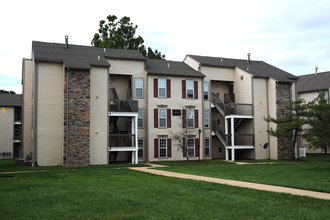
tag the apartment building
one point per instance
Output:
(92, 105)
(10, 126)
(308, 88)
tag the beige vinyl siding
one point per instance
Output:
(272, 112)
(50, 114)
(99, 116)
(6, 130)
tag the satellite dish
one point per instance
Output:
(265, 145)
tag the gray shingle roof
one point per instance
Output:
(80, 57)
(171, 68)
(10, 100)
(312, 82)
(256, 68)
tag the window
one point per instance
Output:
(162, 147)
(190, 118)
(190, 89)
(139, 88)
(162, 117)
(140, 118)
(206, 91)
(207, 147)
(141, 148)
(191, 147)
(161, 88)
(206, 118)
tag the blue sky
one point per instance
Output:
(289, 34)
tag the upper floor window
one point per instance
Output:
(190, 89)
(206, 118)
(161, 88)
(139, 87)
(140, 118)
(206, 90)
(190, 118)
(162, 117)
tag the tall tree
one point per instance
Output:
(2, 91)
(318, 132)
(121, 35)
(291, 125)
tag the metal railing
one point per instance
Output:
(238, 109)
(218, 103)
(122, 140)
(117, 105)
(229, 98)
(220, 133)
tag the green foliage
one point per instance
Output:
(318, 133)
(2, 91)
(290, 125)
(121, 35)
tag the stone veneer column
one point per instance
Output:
(283, 96)
(78, 119)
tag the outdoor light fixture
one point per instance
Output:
(3, 108)
(241, 77)
(199, 145)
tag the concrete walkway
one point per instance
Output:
(257, 186)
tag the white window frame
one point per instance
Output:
(190, 87)
(206, 85)
(191, 147)
(162, 117)
(162, 82)
(141, 117)
(207, 146)
(138, 86)
(206, 118)
(190, 116)
(162, 148)
(141, 148)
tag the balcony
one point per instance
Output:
(229, 107)
(119, 105)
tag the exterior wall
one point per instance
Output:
(309, 96)
(99, 130)
(272, 112)
(283, 96)
(219, 87)
(175, 102)
(260, 111)
(7, 132)
(120, 83)
(50, 114)
(219, 74)
(242, 87)
(126, 67)
(76, 118)
(27, 107)
(191, 62)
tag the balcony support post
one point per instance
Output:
(232, 139)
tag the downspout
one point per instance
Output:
(67, 119)
(35, 120)
(254, 117)
(268, 148)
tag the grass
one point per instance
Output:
(106, 192)
(311, 173)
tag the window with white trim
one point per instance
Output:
(140, 118)
(141, 148)
(190, 118)
(162, 118)
(207, 147)
(206, 118)
(161, 88)
(206, 90)
(138, 87)
(191, 147)
(162, 147)
(190, 89)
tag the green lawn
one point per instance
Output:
(312, 173)
(105, 192)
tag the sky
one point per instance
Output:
(293, 35)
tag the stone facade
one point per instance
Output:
(283, 96)
(78, 119)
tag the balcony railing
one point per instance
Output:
(220, 133)
(122, 140)
(238, 109)
(117, 105)
(242, 140)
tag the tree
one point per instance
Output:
(318, 132)
(290, 125)
(2, 91)
(121, 35)
(186, 132)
